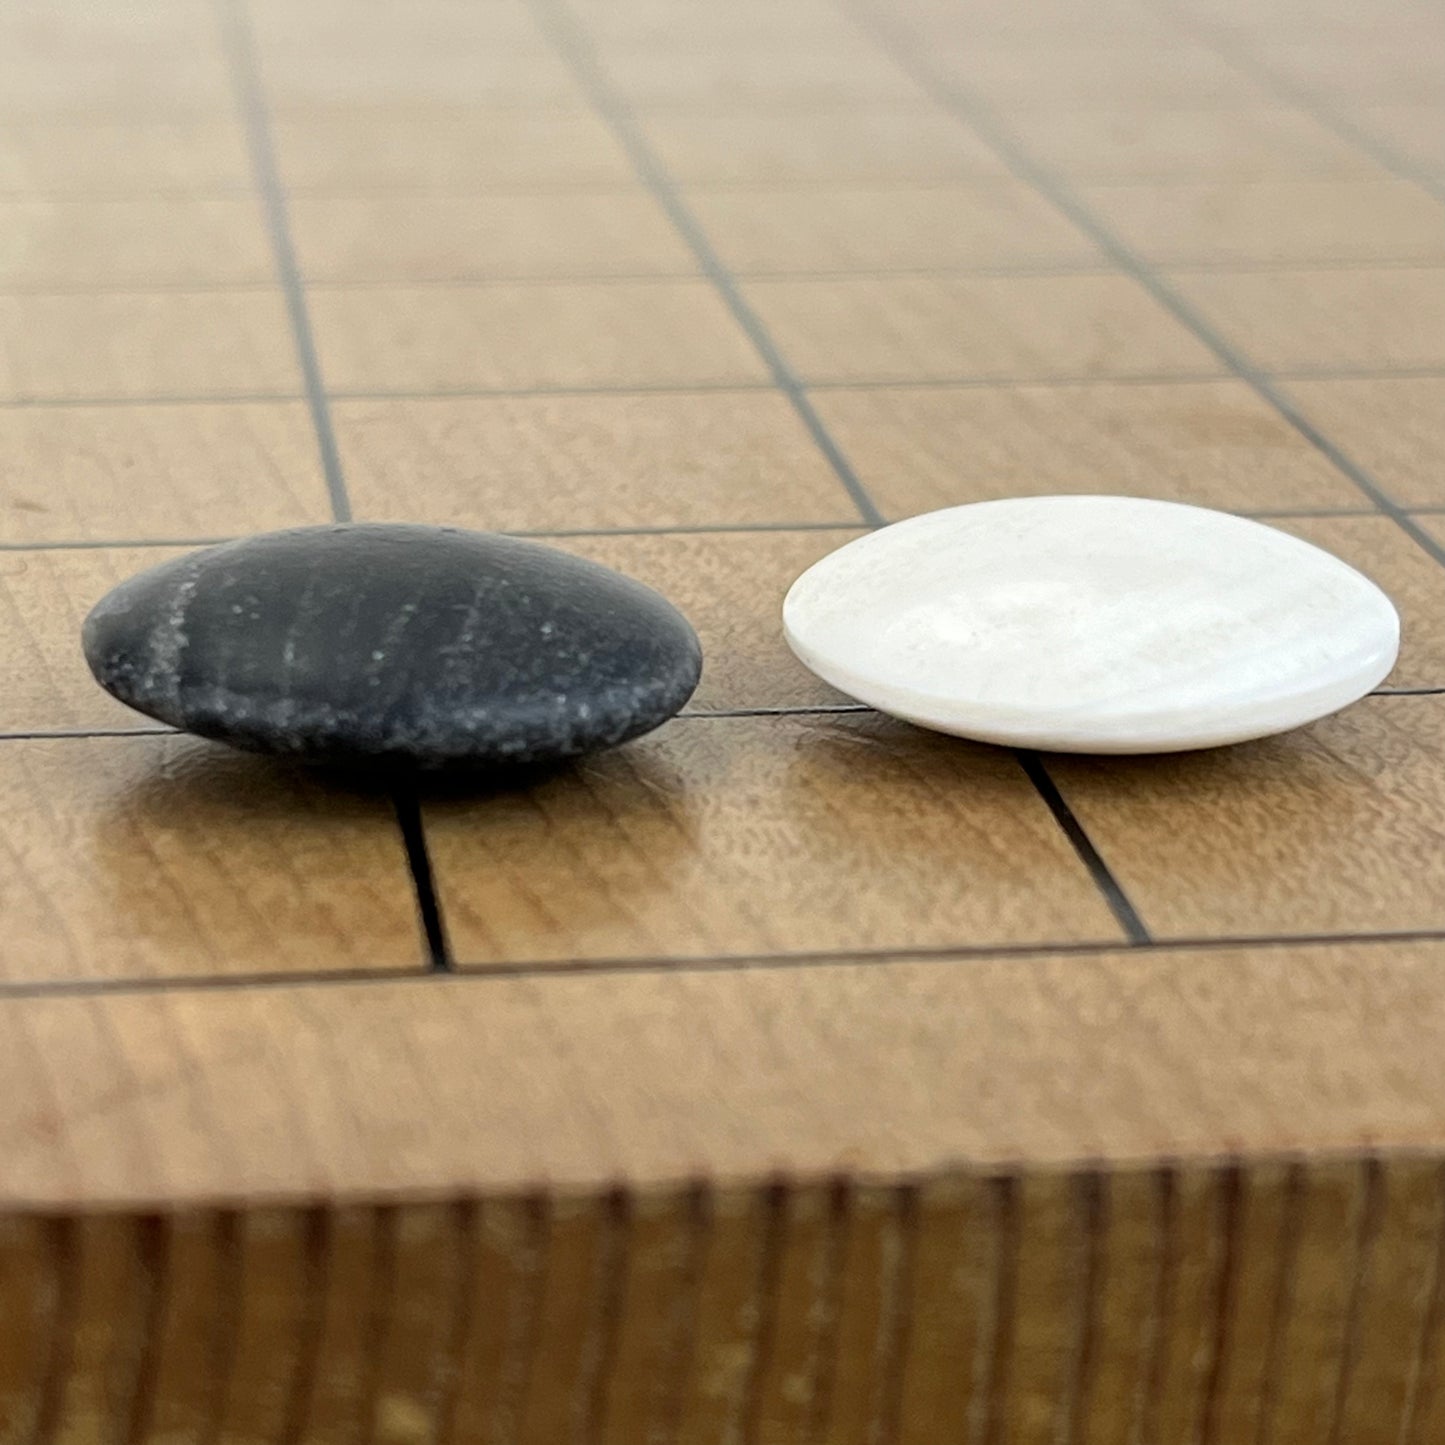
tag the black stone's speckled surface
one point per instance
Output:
(404, 644)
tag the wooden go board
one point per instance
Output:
(790, 1077)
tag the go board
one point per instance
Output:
(789, 1077)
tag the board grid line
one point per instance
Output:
(244, 66)
(1000, 381)
(407, 809)
(690, 714)
(542, 281)
(553, 190)
(464, 970)
(1123, 909)
(720, 529)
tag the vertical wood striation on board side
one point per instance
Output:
(1284, 1302)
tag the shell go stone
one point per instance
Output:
(1092, 624)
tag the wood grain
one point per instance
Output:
(1413, 129)
(688, 459)
(449, 149)
(1075, 1296)
(994, 222)
(115, 244)
(133, 346)
(112, 65)
(618, 232)
(1412, 578)
(731, 588)
(383, 1376)
(1080, 72)
(843, 144)
(1027, 328)
(685, 74)
(1375, 771)
(106, 473)
(1214, 444)
(1320, 320)
(872, 1069)
(619, 335)
(748, 25)
(342, 63)
(44, 596)
(1388, 67)
(747, 835)
(1394, 426)
(75, 157)
(1292, 221)
(1178, 141)
(154, 856)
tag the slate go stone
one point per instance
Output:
(407, 645)
(1092, 624)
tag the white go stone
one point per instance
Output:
(1092, 624)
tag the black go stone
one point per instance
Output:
(397, 645)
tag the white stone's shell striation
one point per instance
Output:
(1092, 624)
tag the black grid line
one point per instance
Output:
(1125, 914)
(1129, 378)
(90, 544)
(662, 109)
(899, 43)
(717, 529)
(408, 818)
(215, 398)
(35, 735)
(690, 714)
(782, 106)
(999, 381)
(474, 972)
(574, 46)
(705, 714)
(851, 524)
(543, 280)
(692, 184)
(686, 715)
(240, 49)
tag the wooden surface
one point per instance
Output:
(790, 1077)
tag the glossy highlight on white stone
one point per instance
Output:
(1092, 624)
